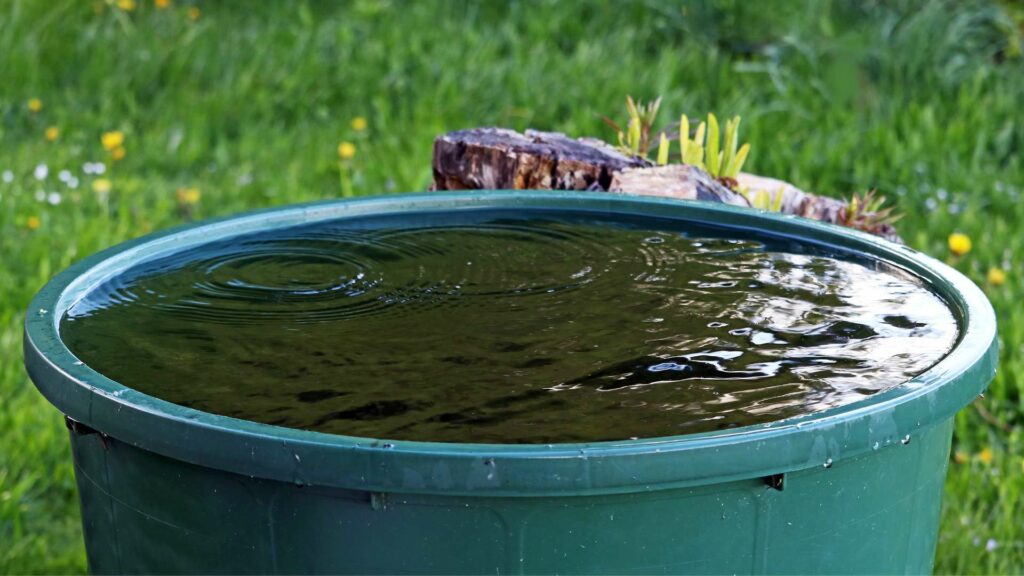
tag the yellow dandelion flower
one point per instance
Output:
(346, 150)
(32, 223)
(126, 5)
(112, 140)
(960, 457)
(101, 185)
(985, 456)
(35, 105)
(162, 4)
(117, 153)
(194, 13)
(52, 133)
(188, 196)
(959, 244)
(359, 123)
(996, 276)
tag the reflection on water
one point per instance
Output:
(501, 330)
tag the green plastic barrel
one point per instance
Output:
(855, 489)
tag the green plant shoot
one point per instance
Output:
(712, 155)
(721, 162)
(691, 151)
(635, 139)
(663, 150)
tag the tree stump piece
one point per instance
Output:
(799, 203)
(675, 181)
(498, 158)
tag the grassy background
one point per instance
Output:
(247, 102)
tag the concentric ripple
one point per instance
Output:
(496, 329)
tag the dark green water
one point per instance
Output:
(510, 331)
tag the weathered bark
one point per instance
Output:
(498, 158)
(794, 200)
(675, 181)
(797, 202)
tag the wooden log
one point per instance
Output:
(799, 203)
(675, 181)
(499, 158)
(794, 200)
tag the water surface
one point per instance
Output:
(485, 328)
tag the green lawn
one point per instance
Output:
(247, 102)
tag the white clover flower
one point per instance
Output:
(8, 176)
(41, 172)
(72, 183)
(94, 168)
(53, 198)
(991, 545)
(64, 175)
(40, 196)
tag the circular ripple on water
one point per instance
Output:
(336, 274)
(495, 331)
(508, 259)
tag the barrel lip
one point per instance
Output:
(889, 418)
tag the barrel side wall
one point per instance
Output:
(874, 513)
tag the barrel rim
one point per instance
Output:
(889, 418)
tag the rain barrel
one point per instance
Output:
(854, 489)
